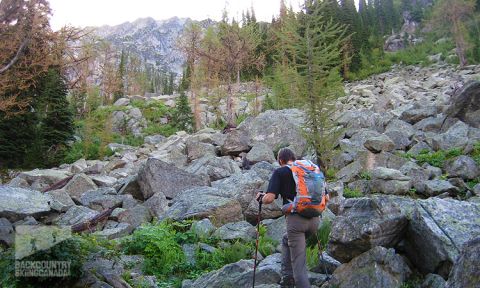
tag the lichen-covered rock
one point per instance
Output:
(277, 129)
(205, 202)
(465, 104)
(157, 204)
(436, 187)
(101, 199)
(363, 224)
(160, 177)
(17, 203)
(75, 215)
(455, 137)
(236, 231)
(260, 152)
(79, 184)
(135, 216)
(272, 210)
(465, 271)
(379, 143)
(244, 186)
(203, 228)
(61, 201)
(40, 179)
(236, 142)
(213, 168)
(437, 230)
(197, 149)
(377, 268)
(464, 167)
(390, 181)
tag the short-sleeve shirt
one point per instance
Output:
(282, 183)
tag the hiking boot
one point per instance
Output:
(287, 282)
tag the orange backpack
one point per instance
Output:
(311, 199)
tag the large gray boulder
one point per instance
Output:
(205, 202)
(277, 129)
(60, 200)
(418, 113)
(455, 137)
(377, 268)
(417, 174)
(237, 141)
(236, 231)
(197, 149)
(101, 199)
(436, 187)
(240, 274)
(466, 104)
(400, 132)
(464, 167)
(389, 181)
(41, 179)
(379, 143)
(135, 216)
(260, 152)
(79, 184)
(357, 119)
(269, 211)
(363, 224)
(244, 186)
(160, 177)
(17, 203)
(433, 281)
(157, 204)
(213, 168)
(465, 271)
(437, 231)
(75, 215)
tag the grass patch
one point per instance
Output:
(323, 235)
(351, 193)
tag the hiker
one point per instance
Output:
(294, 264)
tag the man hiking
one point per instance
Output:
(282, 182)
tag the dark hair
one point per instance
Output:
(285, 155)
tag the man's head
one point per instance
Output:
(285, 155)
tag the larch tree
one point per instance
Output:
(318, 53)
(452, 16)
(189, 43)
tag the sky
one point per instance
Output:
(82, 13)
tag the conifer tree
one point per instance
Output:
(56, 126)
(318, 54)
(183, 116)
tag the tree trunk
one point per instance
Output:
(460, 44)
(229, 103)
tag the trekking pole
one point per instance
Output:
(258, 236)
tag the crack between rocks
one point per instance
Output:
(438, 225)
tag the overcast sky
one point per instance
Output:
(83, 13)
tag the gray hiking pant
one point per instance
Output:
(294, 260)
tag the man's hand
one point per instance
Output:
(266, 198)
(259, 196)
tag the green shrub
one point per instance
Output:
(365, 175)
(163, 255)
(437, 158)
(74, 249)
(323, 235)
(266, 245)
(350, 193)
